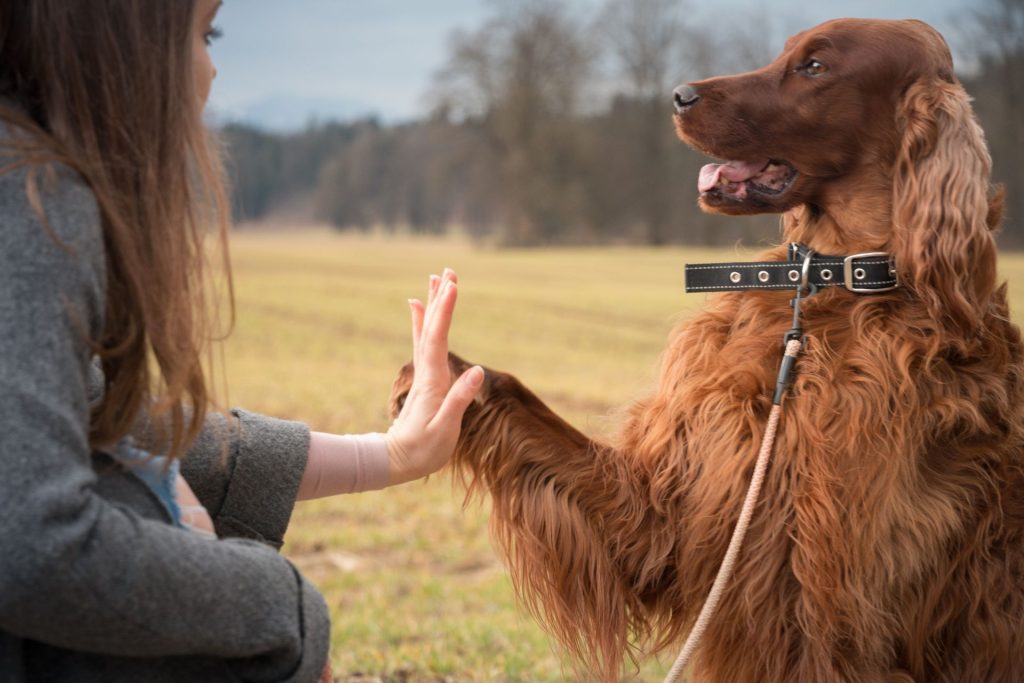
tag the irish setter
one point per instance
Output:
(888, 544)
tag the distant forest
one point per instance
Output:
(552, 128)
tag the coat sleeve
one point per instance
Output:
(78, 571)
(246, 469)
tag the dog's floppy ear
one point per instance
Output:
(943, 246)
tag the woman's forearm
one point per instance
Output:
(346, 463)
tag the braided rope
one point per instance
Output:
(736, 542)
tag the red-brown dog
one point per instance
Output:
(889, 541)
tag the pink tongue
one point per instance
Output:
(734, 172)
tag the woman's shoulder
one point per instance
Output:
(50, 230)
(47, 211)
(49, 195)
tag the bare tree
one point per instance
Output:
(521, 75)
(645, 37)
(998, 89)
(648, 41)
(549, 127)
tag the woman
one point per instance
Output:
(113, 473)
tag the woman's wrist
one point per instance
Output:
(400, 468)
(345, 463)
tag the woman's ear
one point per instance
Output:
(944, 248)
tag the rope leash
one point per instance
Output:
(793, 347)
(794, 343)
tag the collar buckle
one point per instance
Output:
(851, 275)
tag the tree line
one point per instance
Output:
(548, 127)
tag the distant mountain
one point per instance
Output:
(290, 113)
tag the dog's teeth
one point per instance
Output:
(722, 180)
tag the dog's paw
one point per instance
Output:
(403, 382)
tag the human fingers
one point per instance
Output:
(416, 310)
(433, 285)
(421, 313)
(465, 388)
(438, 286)
(434, 289)
(433, 376)
(433, 351)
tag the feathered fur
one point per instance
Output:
(888, 544)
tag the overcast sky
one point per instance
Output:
(281, 63)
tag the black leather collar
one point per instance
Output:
(865, 273)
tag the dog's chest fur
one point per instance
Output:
(887, 462)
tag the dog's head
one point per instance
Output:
(825, 109)
(863, 124)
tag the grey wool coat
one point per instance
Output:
(96, 584)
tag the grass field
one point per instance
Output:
(415, 590)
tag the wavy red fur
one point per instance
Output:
(889, 541)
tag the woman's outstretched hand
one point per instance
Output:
(423, 436)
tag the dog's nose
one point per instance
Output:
(684, 97)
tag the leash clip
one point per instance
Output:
(804, 290)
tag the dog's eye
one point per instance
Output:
(812, 67)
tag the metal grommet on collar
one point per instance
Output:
(735, 276)
(826, 275)
(794, 275)
(763, 276)
(859, 274)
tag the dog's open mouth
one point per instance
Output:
(736, 180)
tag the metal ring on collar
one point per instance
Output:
(805, 273)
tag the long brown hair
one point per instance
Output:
(107, 88)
